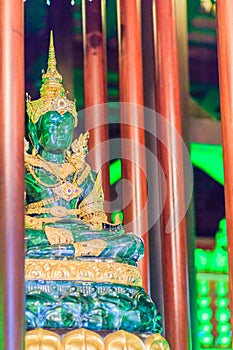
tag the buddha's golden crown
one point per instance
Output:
(52, 92)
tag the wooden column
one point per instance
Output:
(174, 245)
(182, 44)
(225, 65)
(95, 84)
(12, 175)
(131, 91)
(156, 280)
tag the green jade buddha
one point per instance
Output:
(81, 271)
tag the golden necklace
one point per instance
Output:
(63, 188)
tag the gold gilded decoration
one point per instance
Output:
(40, 339)
(156, 342)
(56, 211)
(122, 340)
(92, 207)
(59, 171)
(80, 147)
(90, 210)
(67, 191)
(87, 271)
(94, 247)
(56, 235)
(83, 339)
(37, 223)
(52, 92)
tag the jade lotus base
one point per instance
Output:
(94, 306)
(84, 339)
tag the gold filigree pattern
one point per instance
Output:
(57, 235)
(94, 247)
(86, 271)
(80, 339)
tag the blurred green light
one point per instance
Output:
(202, 260)
(203, 301)
(207, 340)
(224, 340)
(221, 288)
(222, 302)
(113, 216)
(115, 173)
(223, 328)
(205, 328)
(209, 159)
(220, 260)
(203, 288)
(222, 315)
(223, 225)
(204, 314)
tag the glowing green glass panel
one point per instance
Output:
(222, 315)
(209, 159)
(115, 173)
(223, 328)
(204, 314)
(222, 302)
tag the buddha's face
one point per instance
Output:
(56, 131)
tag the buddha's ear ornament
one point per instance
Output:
(52, 92)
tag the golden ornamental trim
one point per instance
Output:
(86, 271)
(80, 339)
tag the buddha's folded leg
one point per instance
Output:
(127, 247)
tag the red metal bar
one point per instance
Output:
(225, 65)
(12, 175)
(131, 91)
(95, 84)
(174, 244)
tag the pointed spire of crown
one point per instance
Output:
(52, 79)
(52, 92)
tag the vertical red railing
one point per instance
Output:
(131, 91)
(12, 175)
(225, 65)
(95, 84)
(174, 244)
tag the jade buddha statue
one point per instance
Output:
(81, 271)
(64, 196)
